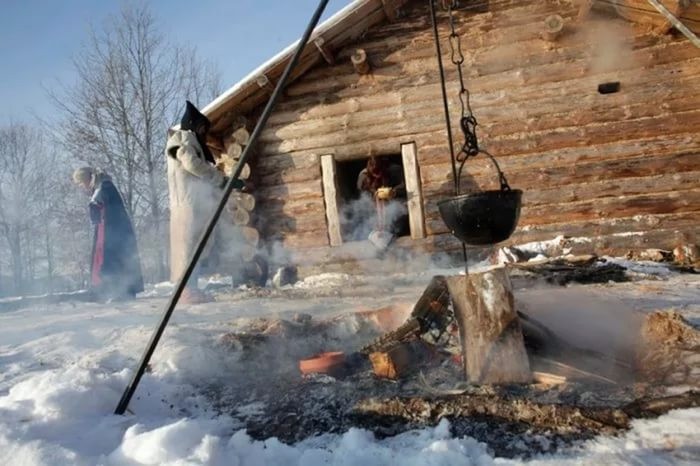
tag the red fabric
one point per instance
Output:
(98, 258)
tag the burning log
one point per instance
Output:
(493, 350)
(430, 312)
(400, 360)
(551, 416)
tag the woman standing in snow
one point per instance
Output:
(195, 185)
(115, 270)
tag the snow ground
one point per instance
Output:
(63, 368)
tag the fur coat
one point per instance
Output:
(194, 186)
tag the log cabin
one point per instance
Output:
(592, 108)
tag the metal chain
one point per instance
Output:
(467, 121)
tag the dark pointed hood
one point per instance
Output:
(195, 121)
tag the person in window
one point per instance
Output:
(383, 180)
(115, 269)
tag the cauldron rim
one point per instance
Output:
(479, 194)
(489, 208)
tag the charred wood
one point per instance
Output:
(508, 409)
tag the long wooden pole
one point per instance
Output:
(131, 388)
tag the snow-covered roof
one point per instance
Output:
(343, 27)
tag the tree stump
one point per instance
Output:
(493, 349)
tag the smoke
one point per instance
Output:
(359, 217)
(610, 45)
(360, 222)
(584, 319)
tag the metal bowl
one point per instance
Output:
(482, 218)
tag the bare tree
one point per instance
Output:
(131, 87)
(27, 199)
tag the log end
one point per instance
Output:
(360, 62)
(553, 27)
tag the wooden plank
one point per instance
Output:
(274, 163)
(591, 209)
(487, 96)
(435, 165)
(301, 240)
(606, 227)
(289, 206)
(284, 224)
(643, 12)
(573, 182)
(496, 117)
(413, 190)
(330, 195)
(494, 72)
(291, 175)
(391, 9)
(301, 190)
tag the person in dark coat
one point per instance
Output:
(115, 269)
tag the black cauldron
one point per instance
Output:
(482, 218)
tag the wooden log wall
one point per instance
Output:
(622, 169)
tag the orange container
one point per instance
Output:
(322, 363)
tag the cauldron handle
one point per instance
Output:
(501, 177)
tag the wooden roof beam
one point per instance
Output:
(584, 9)
(672, 20)
(264, 82)
(391, 9)
(325, 50)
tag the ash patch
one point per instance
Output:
(270, 398)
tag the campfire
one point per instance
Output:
(464, 351)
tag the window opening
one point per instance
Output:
(375, 202)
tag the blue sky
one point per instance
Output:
(38, 39)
